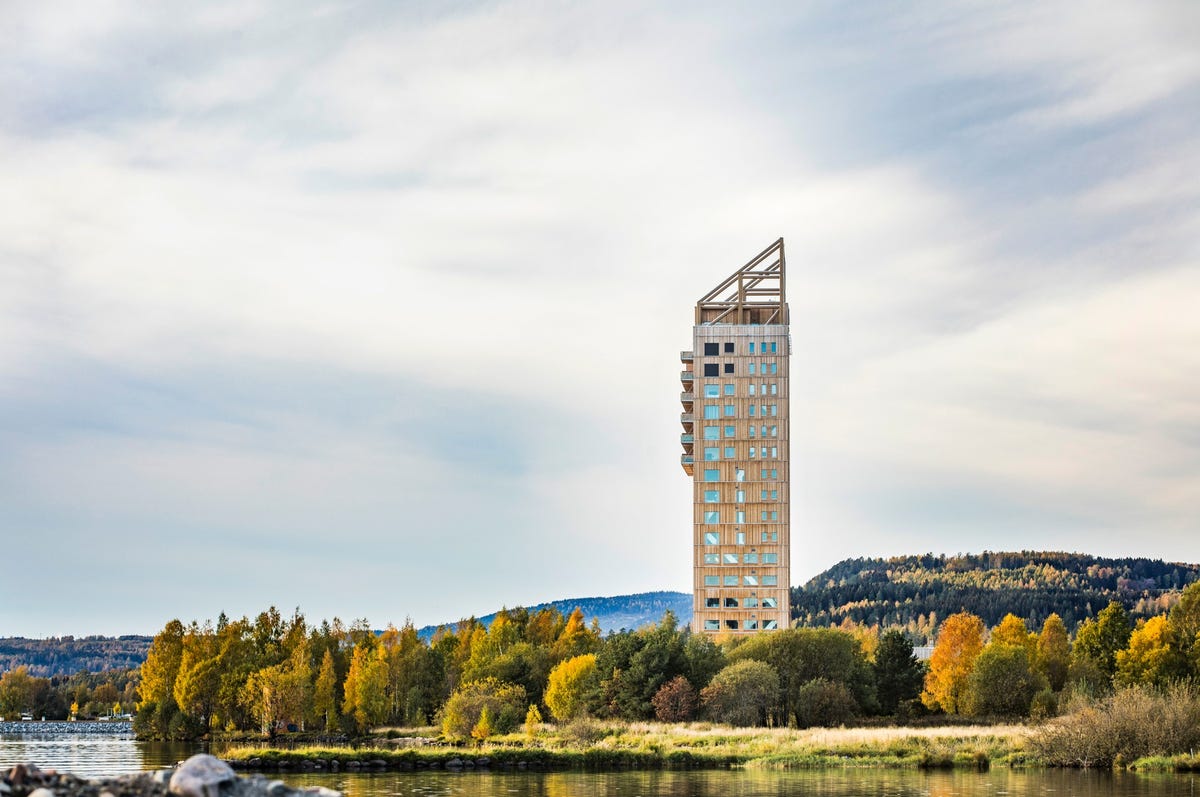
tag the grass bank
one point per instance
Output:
(598, 746)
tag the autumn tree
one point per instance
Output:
(570, 686)
(157, 710)
(16, 691)
(675, 701)
(959, 642)
(1153, 657)
(1054, 652)
(325, 693)
(505, 704)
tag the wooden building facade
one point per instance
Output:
(735, 442)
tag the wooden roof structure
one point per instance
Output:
(754, 294)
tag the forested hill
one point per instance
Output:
(919, 591)
(614, 613)
(68, 655)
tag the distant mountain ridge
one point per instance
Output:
(613, 613)
(918, 592)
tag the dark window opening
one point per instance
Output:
(712, 369)
(731, 603)
(729, 348)
(712, 603)
(711, 349)
(733, 624)
(729, 368)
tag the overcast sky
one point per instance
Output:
(374, 308)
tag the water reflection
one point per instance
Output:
(114, 753)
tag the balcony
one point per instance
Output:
(687, 377)
(687, 439)
(686, 399)
(687, 419)
(688, 463)
(686, 356)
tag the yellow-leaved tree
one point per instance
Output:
(959, 641)
(569, 685)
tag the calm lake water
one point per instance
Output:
(113, 750)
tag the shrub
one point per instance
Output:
(505, 704)
(824, 703)
(1132, 723)
(742, 694)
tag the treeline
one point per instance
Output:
(917, 592)
(68, 655)
(81, 696)
(1013, 672)
(275, 674)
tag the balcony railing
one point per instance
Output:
(687, 439)
(687, 377)
(687, 397)
(687, 418)
(686, 459)
(687, 356)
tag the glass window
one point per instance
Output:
(752, 624)
(730, 431)
(730, 559)
(752, 427)
(712, 538)
(712, 603)
(764, 410)
(770, 558)
(712, 433)
(731, 625)
(774, 368)
(739, 496)
(774, 431)
(774, 515)
(712, 516)
(712, 581)
(731, 603)
(774, 473)
(753, 407)
(774, 410)
(711, 411)
(770, 603)
(730, 410)
(712, 558)
(764, 537)
(741, 516)
(712, 496)
(774, 495)
(762, 515)
(774, 536)
(752, 347)
(750, 581)
(750, 603)
(764, 473)
(729, 452)
(731, 581)
(741, 538)
(712, 475)
(712, 349)
(739, 475)
(774, 452)
(751, 388)
(774, 389)
(712, 391)
(751, 452)
(712, 625)
(752, 368)
(769, 625)
(773, 349)
(712, 453)
(770, 581)
(729, 347)
(765, 493)
(712, 369)
(728, 368)
(750, 558)
(730, 388)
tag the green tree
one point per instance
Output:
(570, 686)
(1185, 628)
(16, 692)
(1002, 682)
(744, 693)
(1100, 639)
(898, 674)
(959, 642)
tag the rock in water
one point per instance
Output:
(201, 776)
